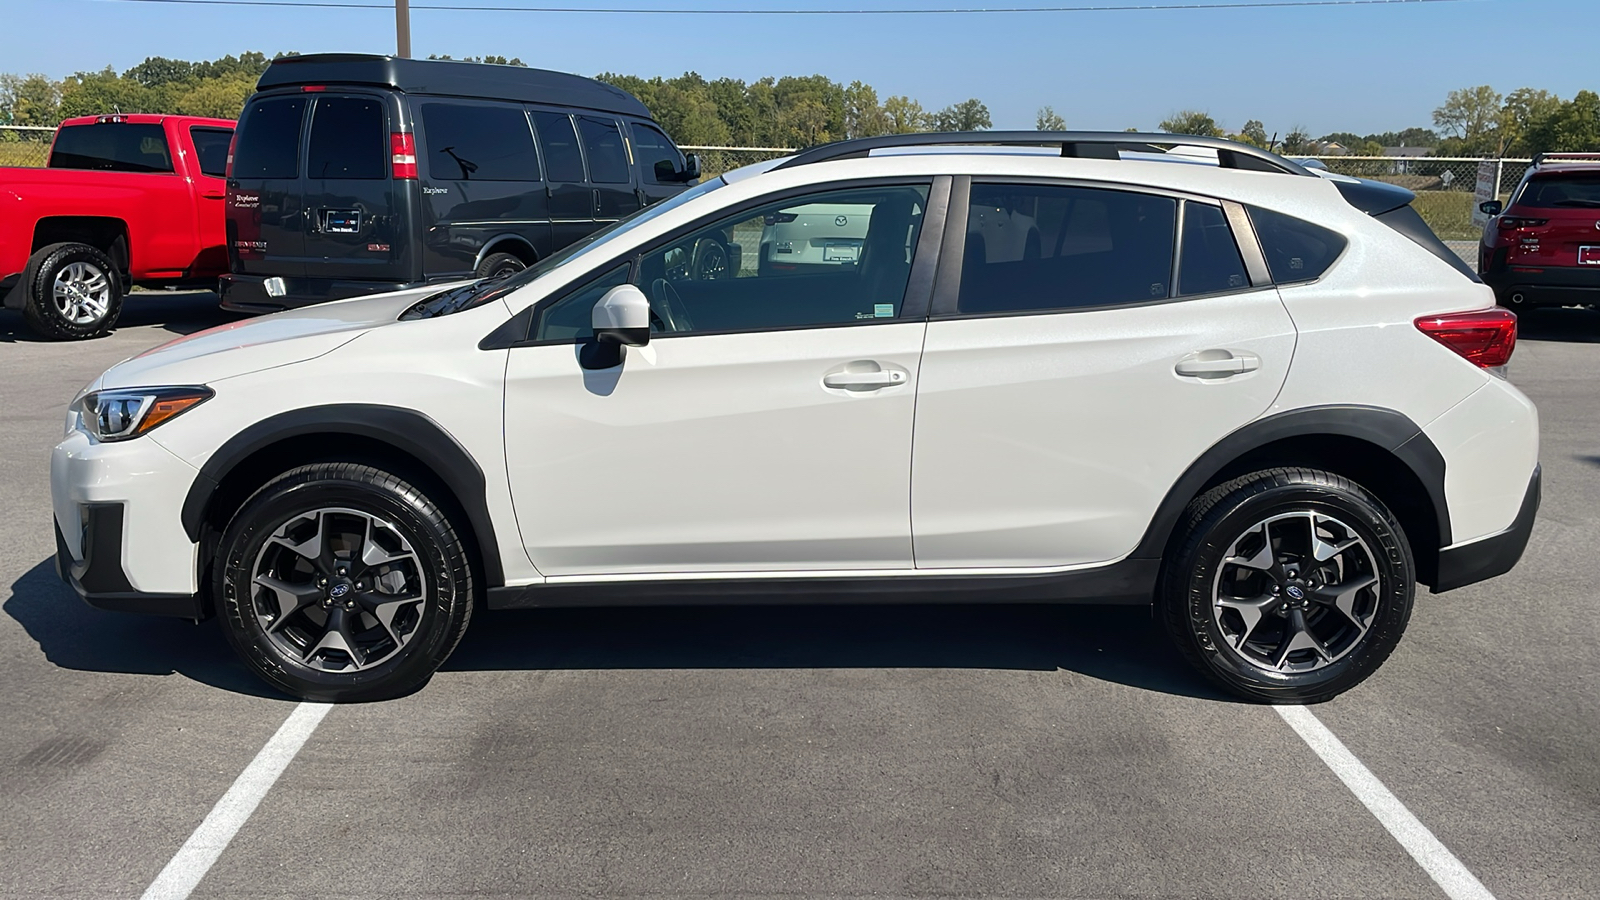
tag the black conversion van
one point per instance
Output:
(357, 174)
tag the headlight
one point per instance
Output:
(117, 415)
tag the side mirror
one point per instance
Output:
(622, 316)
(1491, 207)
(691, 167)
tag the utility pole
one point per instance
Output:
(402, 28)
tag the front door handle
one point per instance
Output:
(864, 375)
(1217, 364)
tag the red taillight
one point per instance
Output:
(313, 88)
(1512, 223)
(233, 144)
(403, 148)
(1484, 337)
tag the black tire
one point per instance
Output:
(1225, 519)
(41, 311)
(437, 564)
(499, 265)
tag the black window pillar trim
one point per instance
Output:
(952, 249)
(408, 431)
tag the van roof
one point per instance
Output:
(450, 78)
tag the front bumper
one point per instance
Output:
(98, 576)
(248, 293)
(1494, 555)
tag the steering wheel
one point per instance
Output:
(667, 305)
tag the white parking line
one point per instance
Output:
(201, 850)
(1434, 857)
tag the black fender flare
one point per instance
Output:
(408, 431)
(1387, 429)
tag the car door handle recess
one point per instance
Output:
(1217, 364)
(864, 376)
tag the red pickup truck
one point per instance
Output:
(126, 200)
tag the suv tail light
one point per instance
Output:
(403, 148)
(233, 144)
(1484, 337)
(1512, 223)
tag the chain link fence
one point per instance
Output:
(24, 145)
(716, 160)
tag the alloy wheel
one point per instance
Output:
(338, 589)
(1296, 592)
(82, 293)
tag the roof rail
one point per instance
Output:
(1540, 158)
(1078, 144)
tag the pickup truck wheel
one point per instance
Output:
(73, 292)
(499, 265)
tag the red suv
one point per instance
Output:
(1543, 249)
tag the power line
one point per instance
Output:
(647, 11)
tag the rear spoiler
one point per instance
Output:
(1391, 205)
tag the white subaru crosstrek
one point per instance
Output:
(1266, 400)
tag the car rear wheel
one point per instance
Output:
(342, 582)
(499, 265)
(73, 292)
(1290, 585)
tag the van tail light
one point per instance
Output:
(233, 144)
(1483, 337)
(1510, 223)
(403, 148)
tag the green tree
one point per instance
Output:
(968, 115)
(95, 93)
(905, 115)
(1189, 121)
(1472, 115)
(1297, 142)
(221, 98)
(1254, 133)
(1574, 127)
(29, 100)
(1047, 119)
(863, 117)
(1525, 109)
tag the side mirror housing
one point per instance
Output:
(691, 167)
(1491, 207)
(622, 316)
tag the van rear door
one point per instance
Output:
(357, 226)
(265, 222)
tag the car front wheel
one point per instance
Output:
(342, 582)
(1291, 585)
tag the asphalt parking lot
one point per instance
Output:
(822, 752)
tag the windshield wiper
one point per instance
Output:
(442, 304)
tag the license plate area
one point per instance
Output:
(840, 252)
(1589, 256)
(341, 221)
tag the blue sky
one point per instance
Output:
(1356, 68)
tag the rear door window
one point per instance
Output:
(348, 139)
(1296, 250)
(1209, 260)
(211, 149)
(658, 158)
(602, 142)
(1036, 248)
(112, 147)
(269, 139)
(471, 142)
(562, 159)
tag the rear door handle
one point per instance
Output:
(1217, 364)
(864, 375)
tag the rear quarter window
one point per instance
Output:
(112, 147)
(1296, 250)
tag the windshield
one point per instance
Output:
(484, 291)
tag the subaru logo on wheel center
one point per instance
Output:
(1294, 592)
(338, 590)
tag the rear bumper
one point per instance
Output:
(98, 576)
(1552, 286)
(1494, 555)
(248, 293)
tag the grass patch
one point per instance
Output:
(1449, 214)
